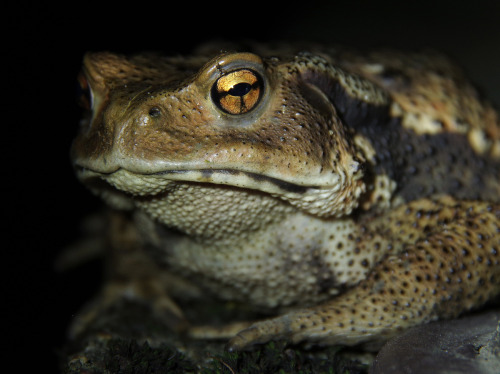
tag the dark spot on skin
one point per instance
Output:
(427, 169)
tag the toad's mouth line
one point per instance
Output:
(209, 174)
(233, 177)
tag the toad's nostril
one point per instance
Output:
(155, 112)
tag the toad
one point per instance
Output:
(349, 195)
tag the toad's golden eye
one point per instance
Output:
(238, 91)
(84, 93)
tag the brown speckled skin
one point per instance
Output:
(359, 197)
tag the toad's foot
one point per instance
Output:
(300, 326)
(163, 307)
(221, 332)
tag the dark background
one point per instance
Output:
(41, 54)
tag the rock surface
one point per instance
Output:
(466, 345)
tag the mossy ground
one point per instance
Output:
(131, 357)
(128, 339)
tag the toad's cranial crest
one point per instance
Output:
(351, 195)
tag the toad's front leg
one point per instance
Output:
(131, 275)
(452, 267)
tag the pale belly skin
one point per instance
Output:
(350, 196)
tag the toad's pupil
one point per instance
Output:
(240, 89)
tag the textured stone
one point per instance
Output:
(466, 345)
